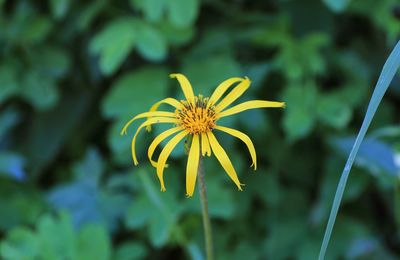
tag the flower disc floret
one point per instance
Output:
(196, 117)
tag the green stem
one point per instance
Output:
(204, 209)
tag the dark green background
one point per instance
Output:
(73, 72)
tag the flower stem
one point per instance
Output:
(204, 209)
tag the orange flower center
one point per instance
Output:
(197, 118)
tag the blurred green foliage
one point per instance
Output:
(72, 73)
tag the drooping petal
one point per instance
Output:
(170, 101)
(250, 105)
(205, 145)
(162, 159)
(223, 158)
(245, 138)
(192, 165)
(233, 95)
(185, 85)
(148, 115)
(158, 140)
(221, 89)
(151, 121)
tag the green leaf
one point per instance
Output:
(300, 114)
(222, 198)
(114, 43)
(36, 30)
(131, 250)
(121, 145)
(285, 234)
(206, 74)
(12, 165)
(93, 243)
(51, 61)
(20, 244)
(267, 181)
(47, 132)
(48, 229)
(55, 238)
(20, 205)
(138, 213)
(183, 13)
(158, 231)
(176, 36)
(59, 8)
(308, 249)
(8, 119)
(150, 42)
(348, 230)
(194, 251)
(153, 9)
(39, 89)
(129, 95)
(89, 13)
(91, 167)
(376, 156)
(312, 58)
(383, 15)
(333, 111)
(86, 199)
(8, 82)
(244, 250)
(337, 6)
(161, 213)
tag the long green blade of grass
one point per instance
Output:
(389, 70)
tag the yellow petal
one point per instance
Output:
(151, 121)
(221, 89)
(158, 140)
(170, 101)
(185, 85)
(205, 146)
(192, 165)
(246, 139)
(162, 159)
(233, 95)
(223, 158)
(250, 105)
(147, 114)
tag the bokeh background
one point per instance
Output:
(73, 72)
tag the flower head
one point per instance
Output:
(198, 117)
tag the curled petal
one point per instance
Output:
(148, 115)
(250, 105)
(158, 140)
(245, 138)
(162, 159)
(223, 158)
(170, 101)
(151, 121)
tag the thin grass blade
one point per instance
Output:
(389, 70)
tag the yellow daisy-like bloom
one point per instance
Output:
(198, 116)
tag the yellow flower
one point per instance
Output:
(198, 117)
